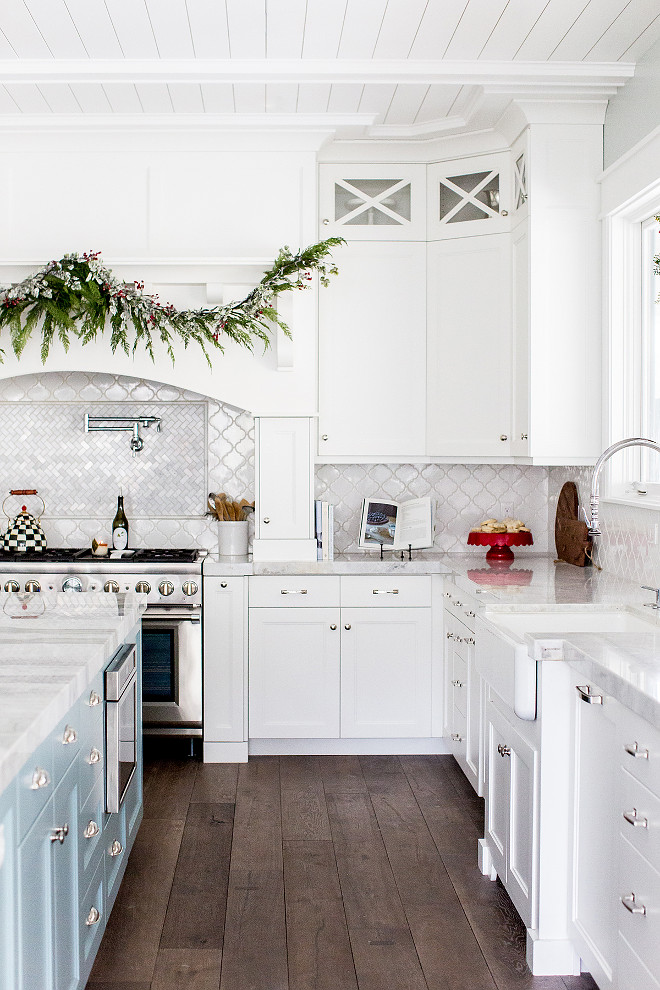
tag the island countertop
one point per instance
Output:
(52, 646)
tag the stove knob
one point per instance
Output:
(111, 586)
(166, 588)
(72, 584)
(32, 586)
(190, 588)
(143, 587)
(12, 586)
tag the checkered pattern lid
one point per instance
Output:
(24, 534)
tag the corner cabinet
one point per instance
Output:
(373, 202)
(372, 354)
(470, 196)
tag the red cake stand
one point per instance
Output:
(500, 543)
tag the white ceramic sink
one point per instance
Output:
(600, 621)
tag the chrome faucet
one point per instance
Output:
(598, 467)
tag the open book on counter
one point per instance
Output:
(396, 525)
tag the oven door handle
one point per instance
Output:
(191, 613)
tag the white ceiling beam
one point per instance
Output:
(395, 71)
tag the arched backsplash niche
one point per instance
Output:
(204, 445)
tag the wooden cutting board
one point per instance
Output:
(571, 534)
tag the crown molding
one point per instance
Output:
(386, 71)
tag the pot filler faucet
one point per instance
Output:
(594, 529)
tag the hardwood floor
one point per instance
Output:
(312, 873)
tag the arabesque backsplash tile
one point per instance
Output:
(206, 445)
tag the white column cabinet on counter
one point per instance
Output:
(372, 354)
(284, 527)
(225, 668)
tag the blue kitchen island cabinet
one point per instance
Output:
(62, 856)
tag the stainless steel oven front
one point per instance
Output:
(121, 726)
(172, 670)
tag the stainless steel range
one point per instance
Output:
(171, 625)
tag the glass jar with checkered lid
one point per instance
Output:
(24, 534)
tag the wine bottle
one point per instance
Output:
(120, 527)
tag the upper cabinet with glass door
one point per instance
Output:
(373, 202)
(469, 196)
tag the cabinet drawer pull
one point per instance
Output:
(380, 591)
(91, 829)
(447, 594)
(459, 639)
(633, 750)
(450, 635)
(630, 904)
(116, 848)
(503, 750)
(458, 684)
(458, 604)
(635, 820)
(94, 756)
(470, 614)
(40, 778)
(69, 736)
(94, 699)
(223, 584)
(457, 737)
(59, 834)
(93, 917)
(333, 626)
(266, 519)
(287, 591)
(470, 640)
(585, 694)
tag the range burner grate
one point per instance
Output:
(59, 555)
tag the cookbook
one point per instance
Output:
(396, 525)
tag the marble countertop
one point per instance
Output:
(52, 646)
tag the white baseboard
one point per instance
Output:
(551, 956)
(219, 752)
(347, 747)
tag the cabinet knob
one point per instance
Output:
(59, 834)
(523, 436)
(630, 904)
(40, 778)
(94, 699)
(458, 684)
(266, 520)
(69, 736)
(347, 626)
(457, 737)
(450, 635)
(324, 436)
(470, 614)
(503, 437)
(325, 221)
(223, 584)
(470, 640)
(333, 626)
(94, 756)
(504, 213)
(91, 829)
(503, 750)
(116, 848)
(93, 917)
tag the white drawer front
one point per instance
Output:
(295, 589)
(639, 888)
(640, 749)
(640, 818)
(386, 591)
(632, 973)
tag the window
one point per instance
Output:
(650, 349)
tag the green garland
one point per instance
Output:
(78, 296)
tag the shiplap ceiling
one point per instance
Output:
(374, 68)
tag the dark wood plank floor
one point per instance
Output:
(312, 873)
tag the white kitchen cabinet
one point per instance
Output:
(469, 377)
(464, 694)
(284, 527)
(225, 667)
(8, 886)
(470, 196)
(512, 784)
(592, 916)
(385, 672)
(294, 672)
(373, 202)
(372, 354)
